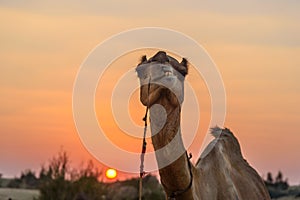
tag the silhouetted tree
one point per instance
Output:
(277, 188)
(29, 180)
(54, 184)
(279, 177)
(269, 177)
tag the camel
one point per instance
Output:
(221, 173)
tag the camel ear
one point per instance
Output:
(143, 59)
(184, 62)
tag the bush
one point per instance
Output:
(59, 182)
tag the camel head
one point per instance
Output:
(161, 80)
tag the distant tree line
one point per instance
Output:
(57, 180)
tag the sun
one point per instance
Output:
(111, 173)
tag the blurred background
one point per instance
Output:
(255, 45)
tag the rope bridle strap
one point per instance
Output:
(177, 193)
(144, 147)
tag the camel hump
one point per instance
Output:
(218, 132)
(225, 141)
(224, 168)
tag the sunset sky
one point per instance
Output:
(255, 45)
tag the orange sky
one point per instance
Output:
(255, 45)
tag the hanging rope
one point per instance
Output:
(144, 146)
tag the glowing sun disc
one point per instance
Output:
(111, 173)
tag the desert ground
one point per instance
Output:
(18, 194)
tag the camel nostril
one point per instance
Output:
(168, 73)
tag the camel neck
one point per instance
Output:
(169, 148)
(165, 126)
